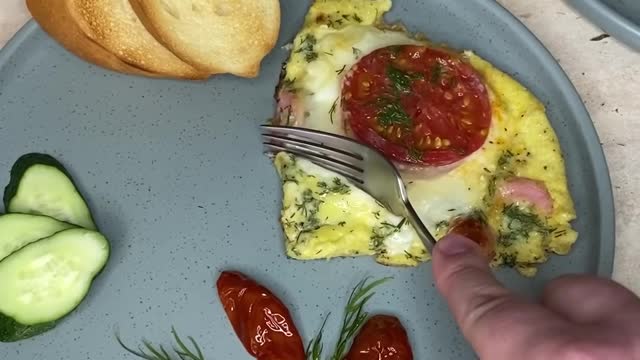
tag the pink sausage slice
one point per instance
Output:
(290, 110)
(528, 190)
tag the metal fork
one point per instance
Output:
(361, 164)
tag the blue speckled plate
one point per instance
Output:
(620, 18)
(175, 176)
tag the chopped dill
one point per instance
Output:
(332, 111)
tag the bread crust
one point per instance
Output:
(53, 18)
(114, 25)
(217, 36)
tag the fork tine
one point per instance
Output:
(329, 164)
(320, 149)
(334, 142)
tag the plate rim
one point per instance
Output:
(606, 252)
(610, 20)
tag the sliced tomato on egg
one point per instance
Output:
(417, 105)
(259, 318)
(381, 337)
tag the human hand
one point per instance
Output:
(578, 317)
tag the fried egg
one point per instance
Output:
(515, 180)
(326, 216)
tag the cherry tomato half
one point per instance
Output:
(477, 230)
(417, 105)
(260, 319)
(381, 338)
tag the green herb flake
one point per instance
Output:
(307, 47)
(337, 187)
(311, 56)
(510, 260)
(380, 233)
(401, 80)
(333, 109)
(393, 114)
(518, 223)
(356, 52)
(437, 72)
(415, 154)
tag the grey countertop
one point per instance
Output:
(607, 76)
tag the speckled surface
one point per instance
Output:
(150, 156)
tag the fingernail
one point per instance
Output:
(454, 244)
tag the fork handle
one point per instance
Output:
(425, 235)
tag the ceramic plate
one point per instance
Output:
(175, 175)
(620, 18)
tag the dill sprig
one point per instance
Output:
(355, 315)
(151, 352)
(315, 346)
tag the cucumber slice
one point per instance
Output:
(18, 230)
(44, 281)
(41, 185)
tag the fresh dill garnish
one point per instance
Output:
(308, 208)
(342, 223)
(415, 154)
(337, 186)
(401, 80)
(518, 223)
(307, 47)
(410, 256)
(356, 52)
(340, 187)
(510, 260)
(380, 233)
(151, 352)
(341, 70)
(505, 159)
(288, 83)
(315, 346)
(332, 111)
(437, 72)
(393, 114)
(311, 56)
(444, 224)
(357, 18)
(355, 315)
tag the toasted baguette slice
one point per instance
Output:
(222, 36)
(115, 26)
(54, 19)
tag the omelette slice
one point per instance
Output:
(325, 216)
(474, 147)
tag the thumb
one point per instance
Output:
(496, 322)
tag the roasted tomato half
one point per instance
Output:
(259, 318)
